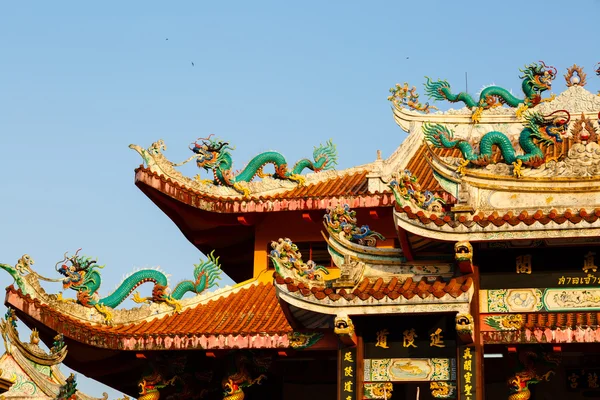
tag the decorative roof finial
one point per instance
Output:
(575, 76)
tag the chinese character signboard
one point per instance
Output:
(347, 387)
(583, 379)
(467, 369)
(414, 337)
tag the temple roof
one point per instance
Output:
(247, 316)
(351, 185)
(372, 291)
(27, 371)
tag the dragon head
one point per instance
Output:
(208, 152)
(539, 77)
(548, 128)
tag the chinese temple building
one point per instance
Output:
(28, 372)
(463, 266)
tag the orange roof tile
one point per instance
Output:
(378, 289)
(498, 220)
(249, 312)
(353, 187)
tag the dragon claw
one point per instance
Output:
(173, 303)
(243, 190)
(476, 116)
(520, 110)
(518, 170)
(138, 299)
(199, 179)
(105, 311)
(462, 168)
(298, 178)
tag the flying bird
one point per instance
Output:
(192, 63)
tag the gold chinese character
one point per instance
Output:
(468, 377)
(348, 357)
(409, 338)
(467, 355)
(592, 380)
(348, 386)
(348, 397)
(467, 365)
(348, 371)
(573, 379)
(382, 339)
(524, 264)
(437, 338)
(468, 390)
(588, 262)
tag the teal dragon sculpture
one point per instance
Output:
(545, 129)
(213, 155)
(82, 274)
(536, 79)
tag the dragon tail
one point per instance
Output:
(325, 156)
(206, 274)
(440, 90)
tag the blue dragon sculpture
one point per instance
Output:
(545, 129)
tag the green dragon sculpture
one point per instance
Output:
(537, 78)
(545, 129)
(83, 276)
(213, 155)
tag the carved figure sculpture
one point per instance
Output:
(463, 251)
(68, 390)
(545, 129)
(343, 325)
(83, 276)
(287, 258)
(234, 383)
(342, 219)
(535, 367)
(213, 155)
(537, 78)
(150, 385)
(405, 185)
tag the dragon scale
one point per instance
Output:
(539, 129)
(214, 155)
(83, 276)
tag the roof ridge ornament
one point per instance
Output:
(575, 76)
(536, 79)
(544, 129)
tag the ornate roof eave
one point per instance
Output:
(366, 254)
(37, 357)
(527, 184)
(372, 306)
(538, 226)
(125, 334)
(262, 202)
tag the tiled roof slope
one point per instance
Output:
(352, 186)
(378, 289)
(250, 312)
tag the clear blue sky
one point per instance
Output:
(80, 81)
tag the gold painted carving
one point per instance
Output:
(524, 264)
(342, 325)
(463, 251)
(575, 76)
(588, 263)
